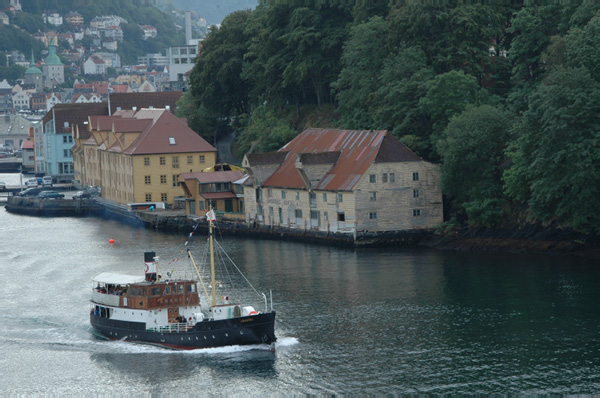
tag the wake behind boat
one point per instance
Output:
(168, 312)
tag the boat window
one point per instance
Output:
(132, 292)
(156, 291)
(180, 288)
(139, 291)
(168, 290)
(191, 288)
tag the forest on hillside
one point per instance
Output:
(504, 97)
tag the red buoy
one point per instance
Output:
(111, 241)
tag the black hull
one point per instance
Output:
(256, 329)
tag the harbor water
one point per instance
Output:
(363, 321)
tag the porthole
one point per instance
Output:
(189, 338)
(241, 332)
(196, 337)
(182, 339)
(204, 337)
(226, 335)
(213, 336)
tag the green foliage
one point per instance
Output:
(265, 131)
(447, 95)
(472, 152)
(28, 22)
(556, 169)
(583, 48)
(216, 80)
(403, 82)
(12, 38)
(358, 80)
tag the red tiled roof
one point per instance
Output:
(156, 128)
(356, 151)
(27, 145)
(144, 100)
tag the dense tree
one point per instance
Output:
(472, 152)
(583, 48)
(216, 80)
(447, 95)
(556, 159)
(403, 83)
(359, 80)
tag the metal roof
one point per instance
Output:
(350, 153)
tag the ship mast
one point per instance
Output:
(212, 258)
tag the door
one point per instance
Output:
(228, 205)
(193, 207)
(173, 314)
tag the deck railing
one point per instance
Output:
(171, 328)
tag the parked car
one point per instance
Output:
(2, 185)
(82, 195)
(30, 192)
(47, 181)
(32, 182)
(50, 195)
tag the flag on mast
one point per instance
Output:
(210, 215)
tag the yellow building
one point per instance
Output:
(137, 156)
(221, 189)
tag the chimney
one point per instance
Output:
(188, 27)
(150, 266)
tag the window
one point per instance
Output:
(283, 194)
(147, 180)
(372, 178)
(372, 196)
(326, 217)
(175, 183)
(269, 192)
(168, 290)
(415, 193)
(392, 178)
(171, 140)
(183, 51)
(66, 124)
(415, 176)
(66, 153)
(163, 179)
(201, 159)
(341, 217)
(190, 159)
(280, 216)
(340, 198)
(65, 139)
(163, 197)
(372, 216)
(384, 177)
(298, 213)
(324, 197)
(191, 288)
(163, 160)
(146, 161)
(297, 195)
(416, 212)
(148, 197)
(175, 162)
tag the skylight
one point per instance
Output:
(171, 140)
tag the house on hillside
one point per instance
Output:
(94, 66)
(138, 155)
(343, 181)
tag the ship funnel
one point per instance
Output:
(150, 263)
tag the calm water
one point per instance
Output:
(349, 321)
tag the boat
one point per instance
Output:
(169, 312)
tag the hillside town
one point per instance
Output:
(42, 84)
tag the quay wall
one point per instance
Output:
(177, 222)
